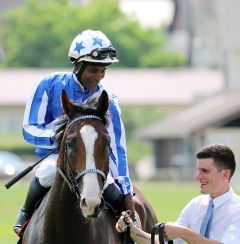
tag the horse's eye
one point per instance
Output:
(108, 143)
(108, 147)
(69, 143)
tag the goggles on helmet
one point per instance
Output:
(101, 53)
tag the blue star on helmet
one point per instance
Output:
(97, 41)
(79, 47)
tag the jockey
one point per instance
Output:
(90, 53)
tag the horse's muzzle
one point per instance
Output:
(98, 210)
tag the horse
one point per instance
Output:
(74, 211)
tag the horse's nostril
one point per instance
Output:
(83, 203)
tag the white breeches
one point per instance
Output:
(46, 172)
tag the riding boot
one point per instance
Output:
(113, 196)
(35, 194)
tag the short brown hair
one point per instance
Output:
(222, 155)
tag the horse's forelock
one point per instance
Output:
(89, 107)
(88, 110)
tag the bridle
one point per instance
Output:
(73, 178)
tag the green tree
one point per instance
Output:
(39, 34)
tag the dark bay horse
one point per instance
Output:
(73, 211)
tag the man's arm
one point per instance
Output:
(173, 231)
(140, 236)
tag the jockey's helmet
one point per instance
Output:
(92, 47)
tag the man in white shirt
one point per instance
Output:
(215, 167)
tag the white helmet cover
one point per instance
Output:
(92, 46)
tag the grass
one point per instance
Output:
(11, 201)
(167, 199)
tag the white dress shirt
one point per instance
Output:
(226, 217)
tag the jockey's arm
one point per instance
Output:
(37, 129)
(118, 157)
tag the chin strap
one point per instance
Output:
(78, 72)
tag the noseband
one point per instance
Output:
(71, 179)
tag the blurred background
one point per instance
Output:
(178, 79)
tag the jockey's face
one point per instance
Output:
(92, 75)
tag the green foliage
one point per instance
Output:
(34, 35)
(39, 34)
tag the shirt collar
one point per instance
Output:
(218, 201)
(78, 83)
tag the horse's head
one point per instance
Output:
(84, 152)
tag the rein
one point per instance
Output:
(158, 229)
(72, 180)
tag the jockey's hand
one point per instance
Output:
(123, 222)
(128, 205)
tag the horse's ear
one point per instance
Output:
(67, 105)
(103, 102)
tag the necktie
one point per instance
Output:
(207, 220)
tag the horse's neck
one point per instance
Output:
(63, 203)
(60, 195)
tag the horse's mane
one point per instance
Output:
(88, 107)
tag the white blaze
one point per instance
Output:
(91, 190)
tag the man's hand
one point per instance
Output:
(136, 233)
(123, 222)
(173, 231)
